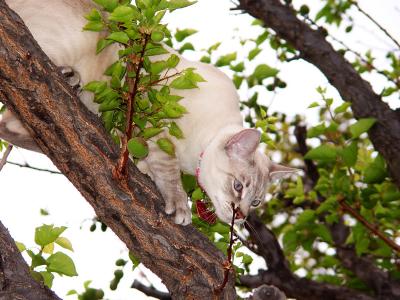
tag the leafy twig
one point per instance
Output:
(3, 160)
(368, 225)
(133, 85)
(228, 263)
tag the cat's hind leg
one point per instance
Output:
(166, 174)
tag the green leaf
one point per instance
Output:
(166, 145)
(94, 26)
(323, 152)
(21, 247)
(64, 242)
(173, 61)
(150, 132)
(188, 80)
(135, 260)
(49, 248)
(138, 147)
(47, 234)
(253, 53)
(174, 4)
(264, 71)
(361, 126)
(225, 60)
(175, 131)
(290, 240)
(108, 5)
(94, 15)
(349, 154)
(174, 110)
(238, 68)
(307, 216)
(180, 35)
(62, 264)
(186, 46)
(119, 36)
(375, 172)
(47, 278)
(157, 36)
(124, 14)
(342, 108)
(314, 104)
(158, 66)
(101, 44)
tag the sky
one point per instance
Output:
(25, 191)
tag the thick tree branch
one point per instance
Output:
(314, 48)
(73, 138)
(15, 279)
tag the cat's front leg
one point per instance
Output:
(165, 172)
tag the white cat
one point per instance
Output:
(229, 167)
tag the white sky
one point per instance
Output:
(24, 191)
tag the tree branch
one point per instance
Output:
(280, 275)
(150, 291)
(314, 48)
(3, 160)
(15, 279)
(77, 143)
(362, 267)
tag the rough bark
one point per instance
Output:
(313, 47)
(74, 139)
(15, 279)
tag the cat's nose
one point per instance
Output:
(239, 215)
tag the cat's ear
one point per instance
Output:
(277, 171)
(243, 144)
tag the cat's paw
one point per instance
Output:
(183, 216)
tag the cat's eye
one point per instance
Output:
(255, 202)
(237, 185)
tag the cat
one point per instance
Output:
(217, 148)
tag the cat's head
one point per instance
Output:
(234, 171)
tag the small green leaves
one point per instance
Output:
(150, 132)
(188, 80)
(225, 60)
(175, 131)
(264, 71)
(108, 5)
(173, 61)
(376, 171)
(21, 247)
(94, 26)
(167, 146)
(124, 14)
(138, 147)
(361, 126)
(47, 234)
(180, 35)
(349, 154)
(119, 36)
(322, 153)
(157, 36)
(64, 242)
(62, 264)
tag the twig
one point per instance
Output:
(228, 262)
(26, 165)
(5, 155)
(150, 291)
(121, 169)
(368, 225)
(376, 23)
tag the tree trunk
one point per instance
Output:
(77, 143)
